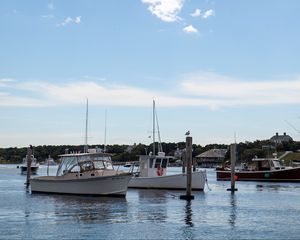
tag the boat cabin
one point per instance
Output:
(262, 164)
(153, 165)
(83, 162)
(32, 158)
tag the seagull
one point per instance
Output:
(187, 133)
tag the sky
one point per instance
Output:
(224, 70)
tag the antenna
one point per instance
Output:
(104, 150)
(153, 127)
(292, 126)
(86, 126)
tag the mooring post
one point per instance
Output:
(189, 157)
(48, 165)
(29, 153)
(183, 161)
(232, 167)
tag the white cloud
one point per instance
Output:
(190, 29)
(203, 89)
(209, 13)
(197, 13)
(77, 20)
(6, 80)
(166, 10)
(70, 20)
(232, 92)
(9, 100)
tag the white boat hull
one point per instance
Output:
(175, 182)
(104, 185)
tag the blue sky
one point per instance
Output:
(215, 68)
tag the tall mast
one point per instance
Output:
(158, 133)
(153, 127)
(86, 126)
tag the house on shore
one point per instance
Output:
(211, 158)
(279, 139)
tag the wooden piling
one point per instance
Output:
(29, 153)
(189, 157)
(48, 165)
(183, 161)
(232, 167)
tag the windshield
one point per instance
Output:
(83, 163)
(276, 163)
(66, 164)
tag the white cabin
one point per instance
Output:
(153, 165)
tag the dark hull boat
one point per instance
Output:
(282, 175)
(267, 170)
(33, 170)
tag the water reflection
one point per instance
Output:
(232, 215)
(189, 214)
(65, 208)
(271, 187)
(152, 205)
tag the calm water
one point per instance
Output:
(256, 211)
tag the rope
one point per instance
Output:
(207, 181)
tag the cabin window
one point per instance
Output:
(84, 158)
(99, 165)
(276, 164)
(264, 165)
(164, 163)
(87, 166)
(157, 163)
(74, 169)
(108, 165)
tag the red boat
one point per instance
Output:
(262, 169)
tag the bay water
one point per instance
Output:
(256, 211)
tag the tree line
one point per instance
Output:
(124, 153)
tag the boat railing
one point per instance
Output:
(133, 166)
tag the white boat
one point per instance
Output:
(49, 162)
(33, 167)
(153, 174)
(153, 170)
(89, 173)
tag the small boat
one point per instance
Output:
(49, 162)
(127, 164)
(33, 167)
(153, 174)
(262, 169)
(90, 173)
(153, 170)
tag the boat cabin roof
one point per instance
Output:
(98, 154)
(264, 159)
